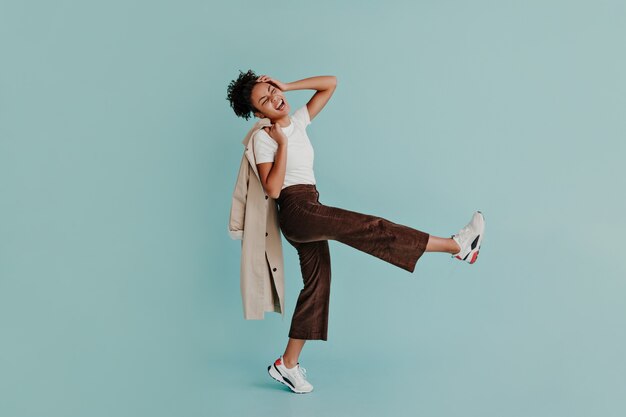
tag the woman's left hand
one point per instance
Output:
(280, 85)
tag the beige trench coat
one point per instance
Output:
(254, 220)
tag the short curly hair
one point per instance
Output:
(239, 92)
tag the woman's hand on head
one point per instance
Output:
(266, 79)
(276, 133)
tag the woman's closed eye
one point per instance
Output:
(266, 100)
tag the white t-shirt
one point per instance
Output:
(300, 152)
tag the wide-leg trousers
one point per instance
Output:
(308, 225)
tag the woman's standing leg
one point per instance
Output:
(292, 352)
(310, 317)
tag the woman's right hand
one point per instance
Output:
(276, 133)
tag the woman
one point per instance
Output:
(284, 157)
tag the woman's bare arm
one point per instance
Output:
(324, 84)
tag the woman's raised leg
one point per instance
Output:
(441, 244)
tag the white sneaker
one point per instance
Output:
(294, 378)
(469, 238)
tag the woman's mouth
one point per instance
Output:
(281, 105)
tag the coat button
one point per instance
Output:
(266, 197)
(265, 233)
(274, 269)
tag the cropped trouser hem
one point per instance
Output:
(309, 336)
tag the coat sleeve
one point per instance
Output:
(238, 206)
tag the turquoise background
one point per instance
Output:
(119, 284)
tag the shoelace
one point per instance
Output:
(463, 233)
(301, 372)
(465, 230)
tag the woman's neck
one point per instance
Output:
(282, 122)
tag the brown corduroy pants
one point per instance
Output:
(308, 225)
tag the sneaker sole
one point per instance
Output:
(275, 374)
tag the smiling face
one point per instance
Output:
(269, 102)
